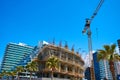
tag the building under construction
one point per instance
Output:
(70, 65)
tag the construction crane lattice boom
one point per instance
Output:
(89, 20)
(88, 31)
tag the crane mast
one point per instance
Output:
(88, 31)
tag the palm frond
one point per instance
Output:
(107, 48)
(32, 66)
(19, 68)
(99, 57)
(113, 46)
(117, 57)
(101, 51)
(103, 54)
(52, 63)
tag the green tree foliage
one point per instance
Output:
(32, 67)
(52, 64)
(19, 69)
(108, 53)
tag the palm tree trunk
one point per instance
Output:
(7, 77)
(30, 75)
(18, 77)
(52, 75)
(111, 64)
(12, 77)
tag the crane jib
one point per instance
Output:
(88, 21)
(97, 9)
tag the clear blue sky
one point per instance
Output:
(30, 21)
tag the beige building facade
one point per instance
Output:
(70, 65)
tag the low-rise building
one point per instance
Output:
(70, 65)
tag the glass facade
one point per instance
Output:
(87, 73)
(117, 68)
(105, 70)
(101, 68)
(118, 77)
(96, 67)
(14, 53)
(118, 41)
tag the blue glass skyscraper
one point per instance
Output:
(96, 67)
(101, 68)
(87, 73)
(14, 53)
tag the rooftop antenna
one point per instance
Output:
(66, 45)
(53, 41)
(72, 49)
(60, 43)
(78, 50)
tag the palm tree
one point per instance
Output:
(108, 54)
(19, 69)
(102, 56)
(52, 64)
(1, 75)
(117, 57)
(4, 73)
(32, 67)
(8, 74)
(13, 73)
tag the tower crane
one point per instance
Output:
(88, 31)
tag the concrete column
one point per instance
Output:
(73, 59)
(66, 56)
(79, 70)
(66, 68)
(73, 70)
(59, 67)
(60, 54)
(58, 75)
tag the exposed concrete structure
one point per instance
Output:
(70, 66)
